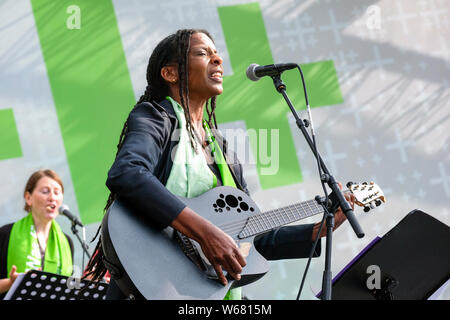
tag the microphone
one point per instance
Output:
(64, 210)
(255, 72)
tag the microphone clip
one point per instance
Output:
(278, 83)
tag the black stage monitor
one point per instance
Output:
(410, 262)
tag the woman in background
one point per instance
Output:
(36, 242)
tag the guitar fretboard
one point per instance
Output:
(275, 218)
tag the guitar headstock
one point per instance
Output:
(368, 195)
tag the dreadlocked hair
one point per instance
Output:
(173, 49)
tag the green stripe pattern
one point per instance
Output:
(91, 88)
(9, 136)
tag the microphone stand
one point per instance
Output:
(326, 177)
(82, 242)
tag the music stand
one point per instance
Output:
(413, 260)
(39, 285)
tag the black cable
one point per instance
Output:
(322, 182)
(313, 249)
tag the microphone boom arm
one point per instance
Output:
(83, 244)
(326, 177)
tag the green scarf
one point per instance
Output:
(190, 175)
(24, 253)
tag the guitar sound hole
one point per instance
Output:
(220, 203)
(226, 203)
(231, 201)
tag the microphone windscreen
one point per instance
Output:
(62, 208)
(251, 72)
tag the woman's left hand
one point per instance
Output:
(339, 217)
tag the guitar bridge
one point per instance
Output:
(190, 250)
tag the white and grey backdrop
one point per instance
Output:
(392, 61)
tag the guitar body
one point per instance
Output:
(154, 261)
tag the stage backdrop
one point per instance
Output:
(377, 75)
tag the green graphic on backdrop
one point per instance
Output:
(91, 88)
(259, 104)
(9, 136)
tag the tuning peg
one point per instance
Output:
(378, 202)
(364, 183)
(366, 208)
(349, 184)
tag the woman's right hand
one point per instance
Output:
(218, 247)
(222, 252)
(13, 274)
(5, 284)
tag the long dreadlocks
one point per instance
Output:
(174, 49)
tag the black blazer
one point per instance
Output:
(142, 167)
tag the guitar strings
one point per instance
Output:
(256, 218)
(267, 220)
(271, 219)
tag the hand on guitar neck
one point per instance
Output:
(339, 217)
(218, 247)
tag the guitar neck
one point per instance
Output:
(272, 219)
